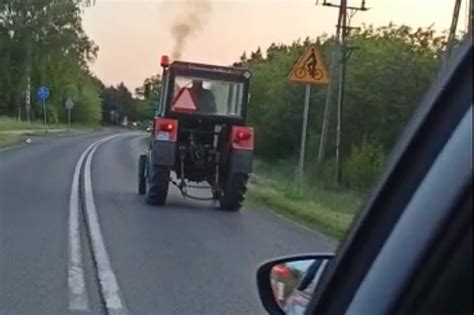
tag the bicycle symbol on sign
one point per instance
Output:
(310, 68)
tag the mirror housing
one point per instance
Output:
(264, 275)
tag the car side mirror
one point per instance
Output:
(286, 284)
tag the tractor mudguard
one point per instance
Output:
(163, 153)
(241, 161)
(241, 154)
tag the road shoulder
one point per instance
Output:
(10, 139)
(308, 214)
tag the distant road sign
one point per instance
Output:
(310, 68)
(42, 93)
(69, 103)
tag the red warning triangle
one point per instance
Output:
(184, 102)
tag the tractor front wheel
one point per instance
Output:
(233, 192)
(158, 182)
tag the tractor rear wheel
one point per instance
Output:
(158, 182)
(142, 161)
(233, 192)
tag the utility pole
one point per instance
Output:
(327, 106)
(346, 12)
(469, 18)
(452, 32)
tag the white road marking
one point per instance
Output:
(108, 282)
(77, 290)
(78, 298)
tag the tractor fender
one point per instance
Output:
(163, 153)
(241, 161)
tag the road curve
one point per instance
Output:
(35, 183)
(187, 257)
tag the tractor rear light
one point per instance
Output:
(166, 129)
(242, 135)
(242, 138)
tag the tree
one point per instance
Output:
(256, 56)
(125, 102)
(118, 104)
(146, 105)
(386, 79)
(153, 85)
(43, 42)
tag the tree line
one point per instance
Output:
(387, 76)
(42, 42)
(118, 103)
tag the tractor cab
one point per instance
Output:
(192, 90)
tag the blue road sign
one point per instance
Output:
(42, 93)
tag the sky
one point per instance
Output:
(133, 34)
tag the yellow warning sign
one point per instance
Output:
(310, 68)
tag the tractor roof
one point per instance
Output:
(198, 67)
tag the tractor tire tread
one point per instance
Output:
(142, 160)
(158, 185)
(234, 192)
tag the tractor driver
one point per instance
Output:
(206, 102)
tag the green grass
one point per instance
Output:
(316, 207)
(7, 140)
(13, 131)
(9, 124)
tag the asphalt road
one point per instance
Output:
(125, 257)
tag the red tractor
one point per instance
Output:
(200, 134)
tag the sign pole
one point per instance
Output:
(28, 99)
(69, 106)
(309, 69)
(303, 137)
(68, 119)
(43, 94)
(44, 112)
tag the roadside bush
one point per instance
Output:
(363, 165)
(323, 176)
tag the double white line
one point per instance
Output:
(109, 289)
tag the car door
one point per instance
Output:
(410, 249)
